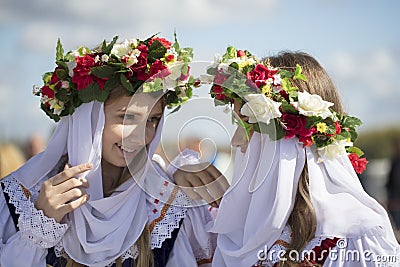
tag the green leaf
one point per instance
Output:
(230, 53)
(112, 83)
(62, 95)
(351, 122)
(62, 74)
(285, 73)
(102, 95)
(47, 77)
(111, 45)
(89, 93)
(156, 51)
(355, 150)
(104, 47)
(125, 83)
(153, 86)
(104, 71)
(298, 74)
(288, 108)
(176, 43)
(185, 69)
(212, 71)
(234, 65)
(59, 50)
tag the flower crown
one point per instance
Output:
(268, 95)
(85, 75)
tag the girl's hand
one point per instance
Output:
(62, 193)
(202, 181)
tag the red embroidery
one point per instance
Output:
(156, 201)
(155, 211)
(166, 183)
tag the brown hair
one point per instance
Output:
(302, 219)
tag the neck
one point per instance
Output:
(111, 177)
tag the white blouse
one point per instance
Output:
(193, 246)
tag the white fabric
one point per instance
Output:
(363, 250)
(99, 224)
(254, 211)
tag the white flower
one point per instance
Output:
(97, 59)
(75, 53)
(136, 52)
(130, 60)
(176, 70)
(312, 105)
(333, 150)
(58, 106)
(64, 84)
(121, 50)
(71, 66)
(104, 58)
(36, 89)
(260, 108)
(277, 79)
(133, 42)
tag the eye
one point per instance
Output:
(154, 119)
(128, 116)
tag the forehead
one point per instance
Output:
(138, 103)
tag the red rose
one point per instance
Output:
(219, 78)
(159, 70)
(82, 76)
(240, 53)
(185, 77)
(141, 66)
(338, 127)
(260, 75)
(169, 58)
(218, 92)
(54, 78)
(167, 44)
(296, 125)
(359, 164)
(47, 92)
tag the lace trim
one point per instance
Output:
(33, 224)
(203, 254)
(171, 214)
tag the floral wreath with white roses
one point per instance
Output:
(85, 75)
(268, 96)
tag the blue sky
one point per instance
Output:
(358, 42)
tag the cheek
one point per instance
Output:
(112, 134)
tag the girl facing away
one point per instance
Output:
(295, 198)
(94, 197)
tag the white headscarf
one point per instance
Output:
(255, 210)
(104, 228)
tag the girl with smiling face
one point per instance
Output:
(94, 197)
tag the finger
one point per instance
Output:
(67, 166)
(212, 186)
(70, 172)
(219, 177)
(70, 195)
(200, 189)
(73, 205)
(182, 180)
(69, 184)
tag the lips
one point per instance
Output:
(125, 149)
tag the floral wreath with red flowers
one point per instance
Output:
(85, 75)
(268, 96)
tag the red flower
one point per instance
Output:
(184, 77)
(141, 66)
(260, 75)
(54, 79)
(47, 92)
(240, 53)
(219, 92)
(295, 125)
(167, 44)
(159, 70)
(359, 164)
(338, 127)
(82, 76)
(219, 78)
(169, 58)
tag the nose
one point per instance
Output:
(240, 139)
